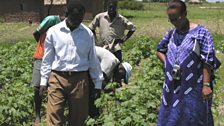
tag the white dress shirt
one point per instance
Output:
(66, 50)
(107, 61)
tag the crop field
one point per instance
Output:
(135, 104)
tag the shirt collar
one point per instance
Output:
(80, 27)
(107, 15)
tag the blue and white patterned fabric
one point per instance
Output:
(182, 103)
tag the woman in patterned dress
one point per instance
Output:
(188, 55)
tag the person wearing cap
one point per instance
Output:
(47, 22)
(113, 71)
(112, 27)
(69, 59)
(40, 35)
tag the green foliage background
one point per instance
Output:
(16, 94)
(136, 104)
(130, 5)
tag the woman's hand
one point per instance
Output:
(206, 92)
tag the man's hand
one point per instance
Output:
(116, 41)
(206, 92)
(97, 93)
(43, 89)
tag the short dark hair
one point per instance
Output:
(75, 4)
(178, 4)
(113, 2)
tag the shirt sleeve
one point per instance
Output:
(47, 60)
(162, 46)
(129, 25)
(95, 22)
(207, 52)
(95, 71)
(47, 23)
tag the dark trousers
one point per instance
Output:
(72, 88)
(93, 110)
(118, 54)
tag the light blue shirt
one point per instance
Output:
(66, 50)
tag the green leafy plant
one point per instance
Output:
(137, 104)
(130, 5)
(16, 94)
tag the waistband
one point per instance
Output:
(69, 72)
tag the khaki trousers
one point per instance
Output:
(72, 88)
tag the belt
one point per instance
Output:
(67, 72)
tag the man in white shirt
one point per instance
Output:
(69, 59)
(113, 71)
(112, 68)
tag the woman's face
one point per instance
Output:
(175, 18)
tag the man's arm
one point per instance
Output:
(131, 29)
(94, 24)
(129, 34)
(95, 71)
(36, 35)
(47, 60)
(125, 38)
(44, 25)
(48, 22)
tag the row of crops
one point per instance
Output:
(136, 104)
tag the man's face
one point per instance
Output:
(75, 18)
(112, 9)
(121, 71)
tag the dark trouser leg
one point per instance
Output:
(36, 84)
(93, 110)
(37, 104)
(118, 54)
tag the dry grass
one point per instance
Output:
(14, 32)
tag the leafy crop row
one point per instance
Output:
(138, 103)
(16, 101)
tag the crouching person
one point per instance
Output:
(113, 71)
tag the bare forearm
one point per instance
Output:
(161, 56)
(206, 73)
(129, 34)
(206, 90)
